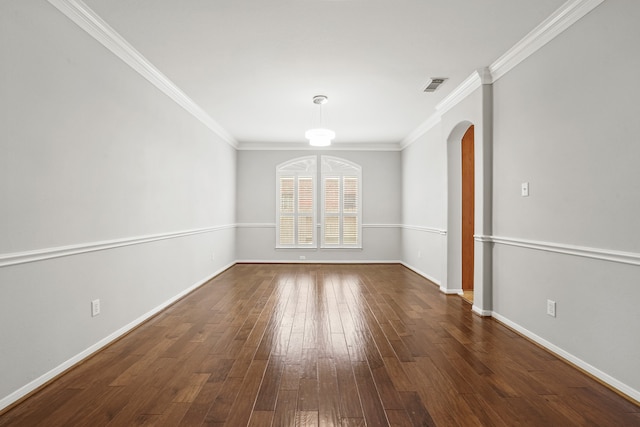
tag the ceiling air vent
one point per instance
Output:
(434, 83)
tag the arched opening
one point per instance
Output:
(477, 260)
(453, 283)
(482, 131)
(468, 212)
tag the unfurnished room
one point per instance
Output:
(319, 213)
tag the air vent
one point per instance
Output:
(434, 83)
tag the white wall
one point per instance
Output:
(424, 205)
(566, 121)
(256, 207)
(92, 153)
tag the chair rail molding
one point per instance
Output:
(622, 257)
(17, 258)
(425, 229)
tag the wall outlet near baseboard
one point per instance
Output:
(551, 308)
(303, 257)
(95, 307)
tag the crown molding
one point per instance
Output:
(425, 127)
(304, 146)
(563, 18)
(551, 27)
(467, 87)
(97, 28)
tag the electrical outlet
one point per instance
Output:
(303, 257)
(95, 307)
(551, 308)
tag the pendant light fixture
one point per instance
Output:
(320, 136)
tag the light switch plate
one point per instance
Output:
(524, 189)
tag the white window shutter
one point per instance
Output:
(296, 207)
(341, 203)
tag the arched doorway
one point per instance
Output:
(468, 212)
(458, 122)
(480, 247)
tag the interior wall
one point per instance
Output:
(94, 160)
(381, 207)
(424, 205)
(566, 121)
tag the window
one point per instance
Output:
(341, 201)
(340, 207)
(296, 208)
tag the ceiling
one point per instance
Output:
(255, 65)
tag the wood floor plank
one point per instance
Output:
(240, 411)
(387, 391)
(219, 411)
(416, 410)
(372, 405)
(266, 400)
(329, 345)
(308, 395)
(261, 419)
(306, 419)
(285, 412)
(328, 393)
(350, 406)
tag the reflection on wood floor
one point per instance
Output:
(331, 345)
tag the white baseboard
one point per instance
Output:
(608, 379)
(316, 261)
(450, 291)
(480, 312)
(43, 379)
(423, 274)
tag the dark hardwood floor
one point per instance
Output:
(331, 345)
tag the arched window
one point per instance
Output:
(340, 206)
(296, 207)
(341, 203)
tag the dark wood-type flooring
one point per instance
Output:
(330, 345)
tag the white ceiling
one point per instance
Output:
(254, 65)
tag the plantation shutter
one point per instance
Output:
(296, 208)
(305, 210)
(341, 210)
(287, 218)
(350, 210)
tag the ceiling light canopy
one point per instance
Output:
(320, 136)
